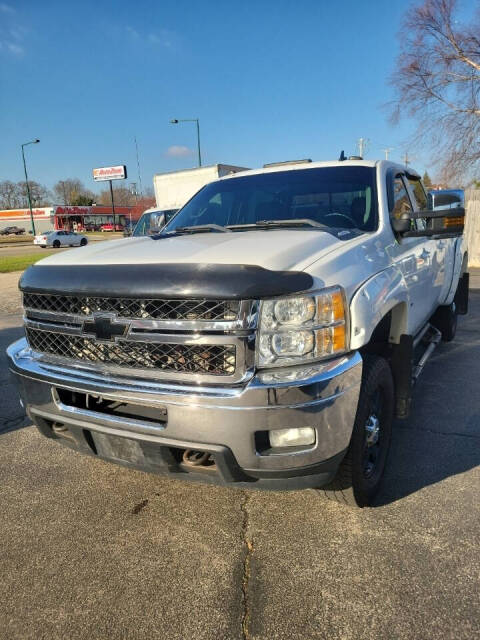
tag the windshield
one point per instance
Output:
(152, 222)
(335, 197)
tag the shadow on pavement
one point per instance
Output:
(12, 416)
(442, 436)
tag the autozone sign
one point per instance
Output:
(110, 173)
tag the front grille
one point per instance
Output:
(216, 360)
(170, 309)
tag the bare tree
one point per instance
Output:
(122, 196)
(10, 196)
(72, 191)
(39, 194)
(437, 81)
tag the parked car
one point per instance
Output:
(266, 337)
(18, 231)
(58, 239)
(108, 226)
(90, 226)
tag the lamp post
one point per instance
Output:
(36, 141)
(196, 120)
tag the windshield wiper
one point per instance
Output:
(293, 222)
(201, 228)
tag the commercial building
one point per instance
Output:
(70, 217)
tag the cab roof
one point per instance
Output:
(383, 165)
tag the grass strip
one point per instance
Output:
(21, 262)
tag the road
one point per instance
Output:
(92, 550)
(16, 249)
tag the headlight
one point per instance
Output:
(301, 328)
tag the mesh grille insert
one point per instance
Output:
(210, 359)
(186, 309)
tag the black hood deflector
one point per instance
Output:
(189, 280)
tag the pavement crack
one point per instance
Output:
(441, 433)
(139, 507)
(249, 548)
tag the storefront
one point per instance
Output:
(93, 218)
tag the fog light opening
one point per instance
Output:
(295, 437)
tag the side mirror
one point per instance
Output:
(401, 225)
(440, 222)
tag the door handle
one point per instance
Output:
(441, 244)
(425, 253)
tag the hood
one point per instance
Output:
(275, 249)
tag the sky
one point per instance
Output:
(269, 80)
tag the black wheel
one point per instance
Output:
(83, 242)
(56, 244)
(360, 473)
(445, 320)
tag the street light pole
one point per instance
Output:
(197, 121)
(36, 141)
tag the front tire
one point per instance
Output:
(83, 242)
(360, 473)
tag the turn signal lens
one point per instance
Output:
(330, 308)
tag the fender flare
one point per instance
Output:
(460, 266)
(383, 293)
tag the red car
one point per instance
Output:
(108, 226)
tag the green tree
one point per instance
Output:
(427, 181)
(82, 200)
(72, 191)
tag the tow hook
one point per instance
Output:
(195, 458)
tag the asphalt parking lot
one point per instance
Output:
(92, 550)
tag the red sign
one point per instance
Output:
(110, 173)
(72, 210)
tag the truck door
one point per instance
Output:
(442, 249)
(414, 257)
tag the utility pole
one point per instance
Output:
(113, 205)
(406, 159)
(362, 144)
(138, 167)
(36, 141)
(387, 151)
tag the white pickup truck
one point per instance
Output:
(265, 338)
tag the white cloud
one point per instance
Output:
(16, 49)
(12, 34)
(160, 38)
(178, 151)
(133, 32)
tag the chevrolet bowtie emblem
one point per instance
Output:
(105, 328)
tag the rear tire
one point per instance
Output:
(360, 473)
(56, 244)
(445, 320)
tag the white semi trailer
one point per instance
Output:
(174, 189)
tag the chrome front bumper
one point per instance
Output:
(221, 420)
